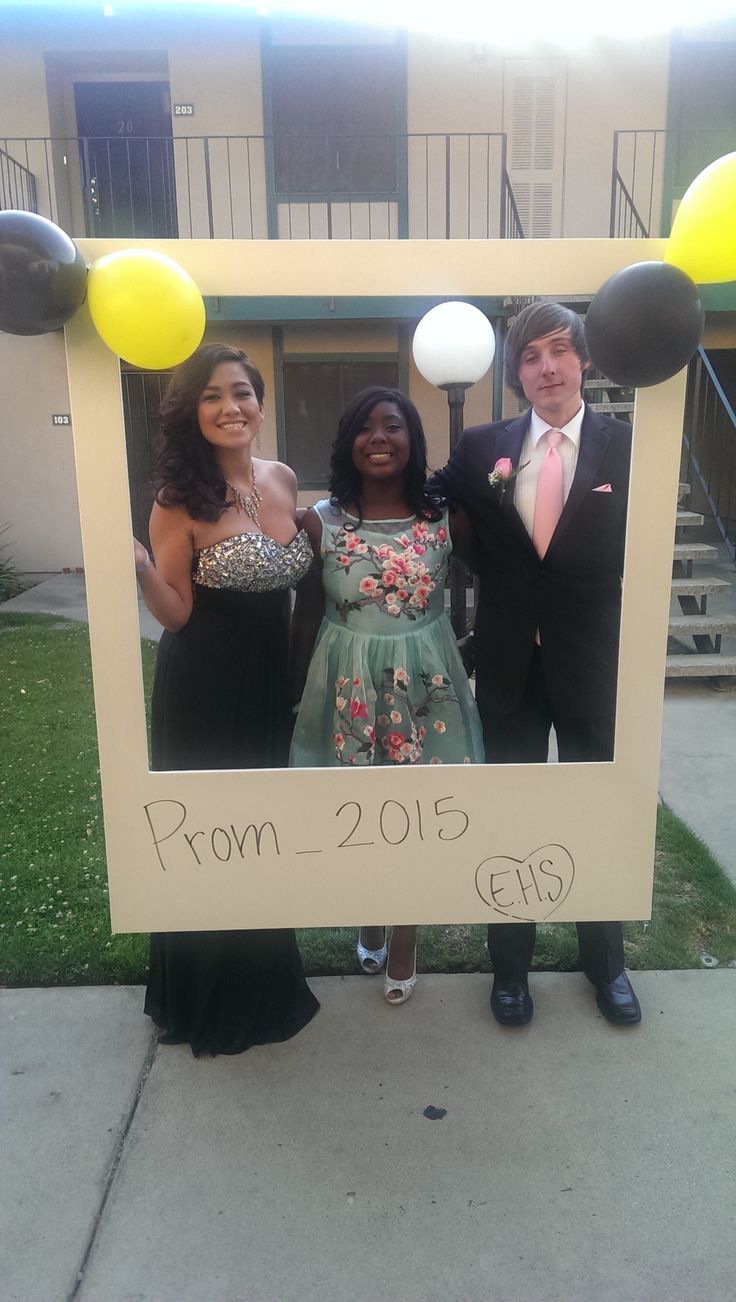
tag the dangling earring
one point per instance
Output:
(259, 444)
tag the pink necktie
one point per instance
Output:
(549, 500)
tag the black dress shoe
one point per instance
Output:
(617, 1001)
(511, 1003)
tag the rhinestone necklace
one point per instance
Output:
(249, 502)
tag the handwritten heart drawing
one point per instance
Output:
(527, 890)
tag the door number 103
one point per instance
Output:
(394, 822)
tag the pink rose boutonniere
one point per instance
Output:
(503, 472)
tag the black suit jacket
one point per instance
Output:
(573, 595)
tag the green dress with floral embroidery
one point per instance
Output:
(386, 684)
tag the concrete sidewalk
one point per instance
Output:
(697, 766)
(565, 1162)
(64, 594)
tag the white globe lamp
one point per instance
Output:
(453, 344)
(453, 347)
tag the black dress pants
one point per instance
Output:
(522, 737)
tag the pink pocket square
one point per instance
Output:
(602, 488)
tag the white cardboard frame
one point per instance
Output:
(437, 844)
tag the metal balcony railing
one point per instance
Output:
(651, 170)
(17, 184)
(709, 445)
(423, 186)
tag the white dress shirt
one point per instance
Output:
(525, 489)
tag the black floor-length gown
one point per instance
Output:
(221, 701)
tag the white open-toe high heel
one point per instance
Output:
(397, 992)
(372, 960)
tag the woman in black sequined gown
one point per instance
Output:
(227, 551)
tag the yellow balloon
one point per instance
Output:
(146, 307)
(703, 239)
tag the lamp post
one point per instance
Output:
(453, 347)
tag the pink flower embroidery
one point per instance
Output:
(358, 709)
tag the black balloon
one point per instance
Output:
(43, 276)
(644, 324)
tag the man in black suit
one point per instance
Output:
(549, 606)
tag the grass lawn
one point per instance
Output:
(54, 928)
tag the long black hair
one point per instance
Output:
(345, 478)
(186, 471)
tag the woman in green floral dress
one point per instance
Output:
(385, 683)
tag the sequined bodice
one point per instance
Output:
(253, 562)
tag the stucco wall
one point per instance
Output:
(38, 495)
(611, 86)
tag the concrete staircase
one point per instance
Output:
(608, 398)
(695, 646)
(695, 637)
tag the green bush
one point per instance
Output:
(11, 582)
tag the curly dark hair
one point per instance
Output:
(345, 478)
(535, 321)
(186, 472)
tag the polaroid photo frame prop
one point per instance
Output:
(324, 847)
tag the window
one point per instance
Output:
(142, 394)
(534, 120)
(336, 119)
(315, 393)
(703, 96)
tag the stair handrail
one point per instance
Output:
(701, 358)
(10, 169)
(718, 387)
(619, 185)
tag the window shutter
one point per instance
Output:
(534, 120)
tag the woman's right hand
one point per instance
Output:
(466, 647)
(142, 559)
(166, 587)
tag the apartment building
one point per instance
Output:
(164, 123)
